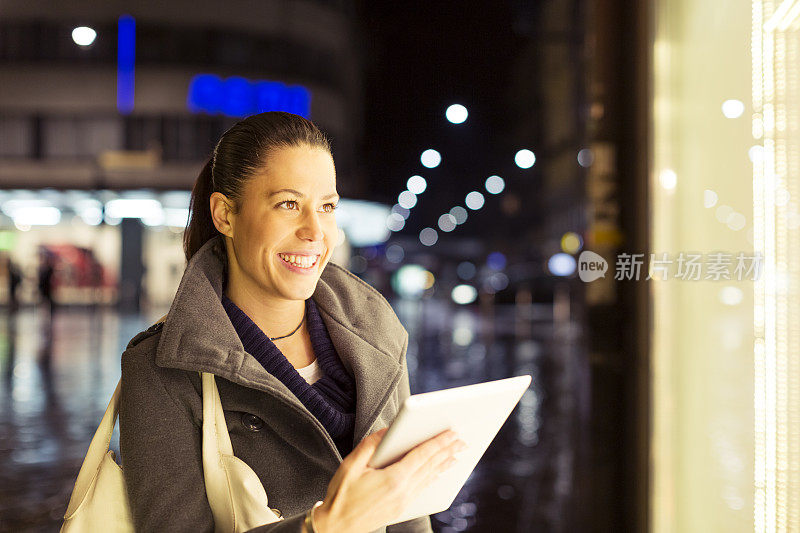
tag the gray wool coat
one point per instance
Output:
(286, 446)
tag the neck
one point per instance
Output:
(274, 316)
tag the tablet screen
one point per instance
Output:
(475, 412)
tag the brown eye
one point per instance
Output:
(289, 204)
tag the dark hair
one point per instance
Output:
(240, 152)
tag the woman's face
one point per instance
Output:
(284, 231)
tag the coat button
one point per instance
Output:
(252, 422)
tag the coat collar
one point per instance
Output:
(198, 336)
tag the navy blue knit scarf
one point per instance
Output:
(332, 398)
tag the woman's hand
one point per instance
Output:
(361, 499)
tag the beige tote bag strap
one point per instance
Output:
(98, 449)
(216, 443)
(237, 498)
(214, 418)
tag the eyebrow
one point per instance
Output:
(298, 193)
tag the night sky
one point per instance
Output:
(420, 57)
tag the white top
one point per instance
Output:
(311, 373)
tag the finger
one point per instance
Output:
(426, 477)
(421, 454)
(439, 463)
(434, 465)
(362, 453)
(432, 468)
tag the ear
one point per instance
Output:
(222, 213)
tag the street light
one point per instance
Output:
(84, 35)
(430, 158)
(456, 113)
(525, 158)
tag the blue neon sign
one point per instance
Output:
(239, 97)
(126, 59)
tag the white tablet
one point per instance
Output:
(475, 412)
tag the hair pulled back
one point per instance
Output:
(242, 151)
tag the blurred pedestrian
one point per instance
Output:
(46, 279)
(14, 281)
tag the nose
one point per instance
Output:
(311, 229)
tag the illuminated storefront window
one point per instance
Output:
(725, 452)
(701, 183)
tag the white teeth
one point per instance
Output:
(301, 261)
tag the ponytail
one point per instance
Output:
(200, 228)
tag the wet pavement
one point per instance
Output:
(57, 377)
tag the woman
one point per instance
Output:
(309, 359)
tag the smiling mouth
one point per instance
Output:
(300, 261)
